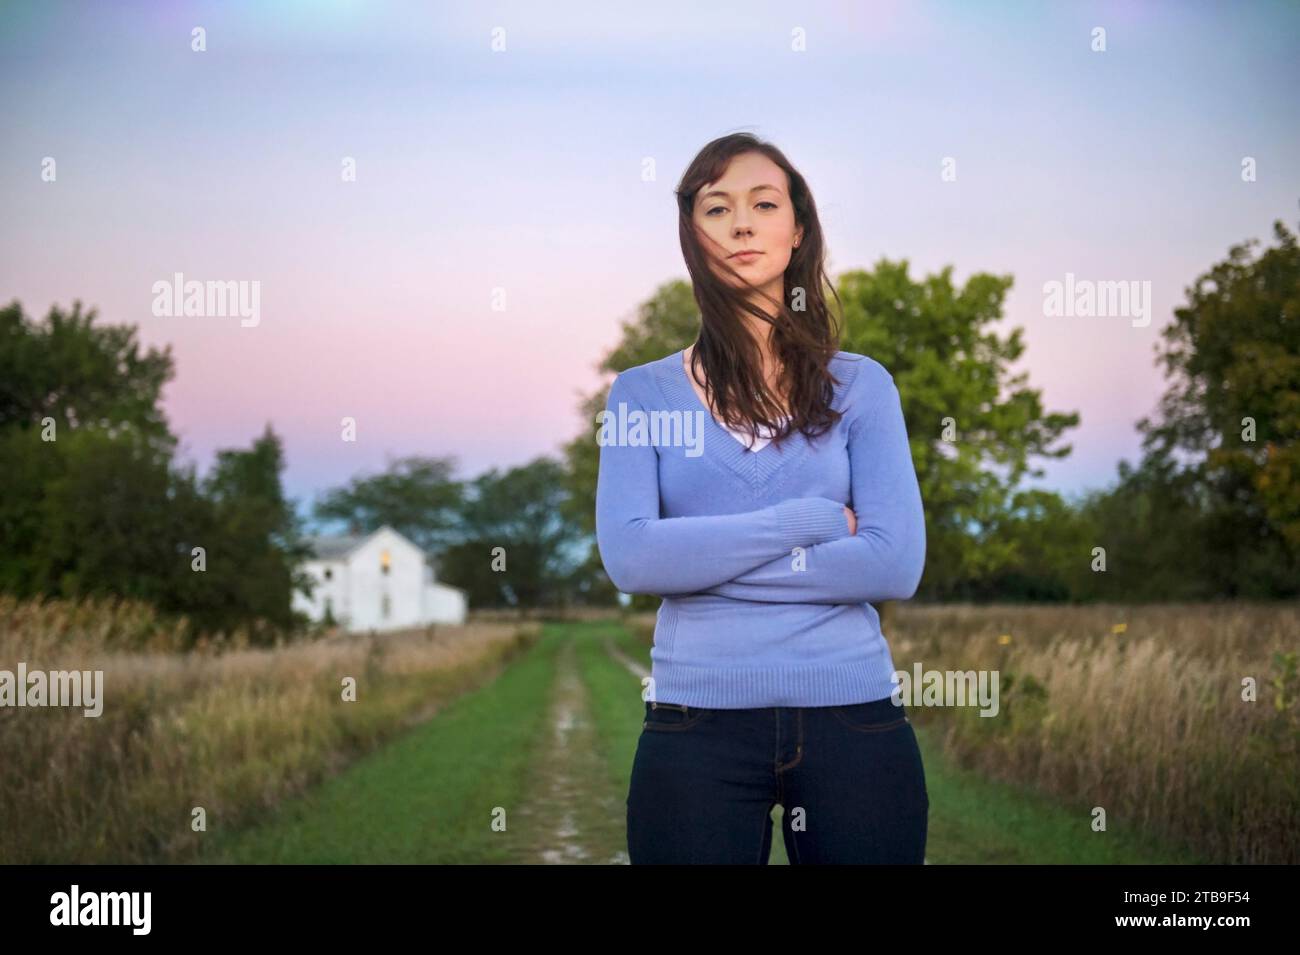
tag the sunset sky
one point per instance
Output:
(522, 169)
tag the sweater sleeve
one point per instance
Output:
(644, 553)
(885, 558)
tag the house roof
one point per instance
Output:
(338, 546)
(335, 546)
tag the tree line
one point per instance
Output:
(95, 500)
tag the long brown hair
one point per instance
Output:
(802, 341)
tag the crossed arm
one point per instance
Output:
(885, 558)
(644, 553)
(797, 551)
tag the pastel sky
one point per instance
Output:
(521, 170)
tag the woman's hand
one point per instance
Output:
(853, 520)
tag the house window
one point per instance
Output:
(386, 606)
(329, 573)
(384, 561)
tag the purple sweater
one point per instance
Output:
(765, 592)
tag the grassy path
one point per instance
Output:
(573, 810)
(547, 750)
(432, 795)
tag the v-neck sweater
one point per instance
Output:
(766, 595)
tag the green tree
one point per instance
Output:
(1048, 540)
(519, 517)
(93, 502)
(416, 496)
(1210, 510)
(967, 416)
(1149, 526)
(254, 560)
(81, 376)
(1227, 424)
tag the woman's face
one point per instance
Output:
(749, 208)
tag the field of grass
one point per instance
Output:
(1179, 721)
(496, 744)
(192, 744)
(432, 796)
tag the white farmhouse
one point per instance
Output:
(378, 581)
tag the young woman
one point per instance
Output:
(784, 504)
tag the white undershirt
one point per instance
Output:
(764, 435)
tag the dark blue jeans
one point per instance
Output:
(849, 778)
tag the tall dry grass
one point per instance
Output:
(1135, 709)
(227, 728)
